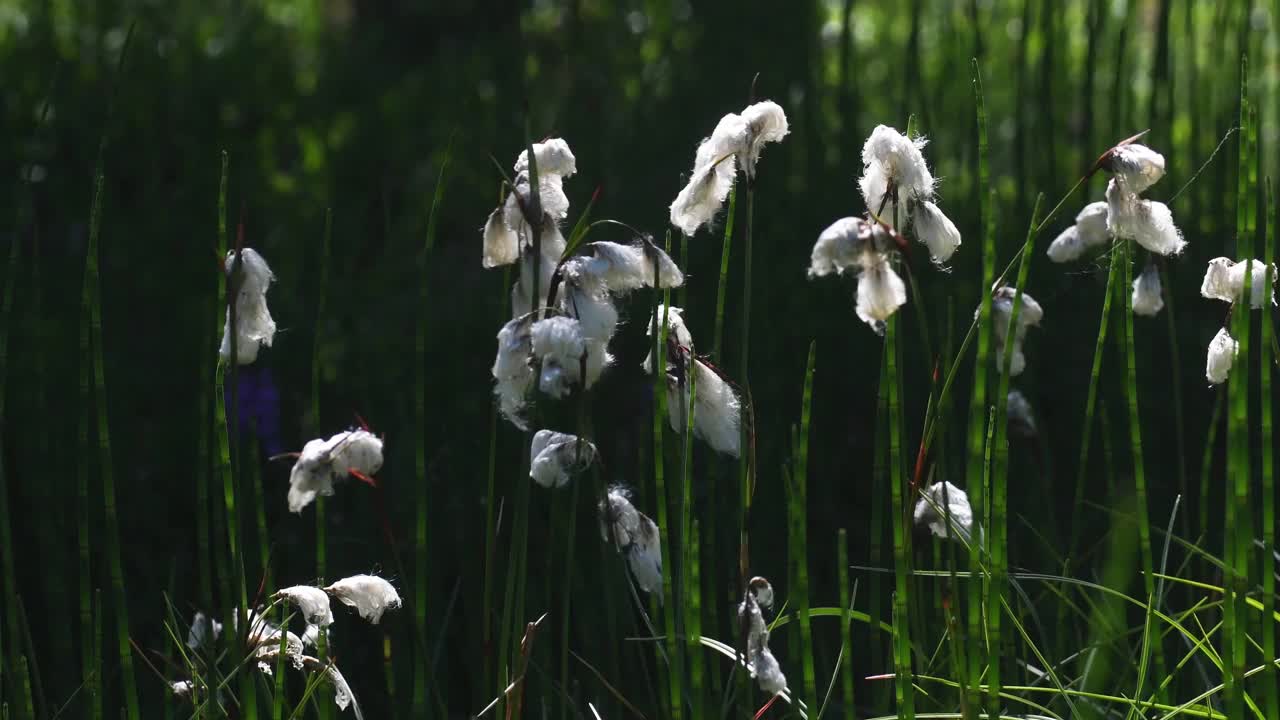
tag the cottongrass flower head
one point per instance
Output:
(1222, 355)
(894, 171)
(761, 662)
(855, 245)
(1001, 314)
(609, 269)
(1022, 421)
(513, 371)
(312, 602)
(635, 536)
(1147, 298)
(204, 631)
(254, 325)
(509, 228)
(566, 355)
(370, 595)
(544, 264)
(736, 141)
(1089, 231)
(555, 457)
(1134, 168)
(717, 411)
(357, 453)
(937, 502)
(1224, 280)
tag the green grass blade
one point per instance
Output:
(1135, 440)
(111, 525)
(977, 404)
(723, 286)
(846, 660)
(797, 511)
(901, 530)
(661, 502)
(1270, 681)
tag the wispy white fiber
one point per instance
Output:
(554, 158)
(1148, 222)
(554, 457)
(585, 296)
(370, 595)
(1138, 167)
(1224, 280)
(935, 230)
(766, 122)
(761, 662)
(1022, 421)
(254, 325)
(1147, 297)
(559, 344)
(311, 601)
(624, 268)
(204, 631)
(501, 244)
(937, 501)
(1089, 231)
(1222, 355)
(677, 332)
(324, 461)
(512, 370)
(880, 293)
(1001, 313)
(717, 410)
(635, 536)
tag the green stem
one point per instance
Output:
(901, 530)
(798, 504)
(1270, 682)
(669, 611)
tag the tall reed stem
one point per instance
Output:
(797, 505)
(669, 611)
(1270, 682)
(901, 532)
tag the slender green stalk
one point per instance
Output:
(111, 526)
(1175, 368)
(6, 538)
(202, 479)
(797, 510)
(723, 286)
(1135, 440)
(846, 637)
(1086, 431)
(880, 479)
(490, 539)
(1207, 461)
(689, 574)
(901, 531)
(1270, 683)
(260, 514)
(421, 507)
(670, 610)
(977, 403)
(998, 531)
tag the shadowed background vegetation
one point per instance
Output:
(363, 108)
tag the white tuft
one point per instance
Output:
(512, 371)
(553, 246)
(370, 595)
(501, 244)
(312, 602)
(204, 631)
(559, 345)
(636, 537)
(1137, 166)
(1067, 246)
(939, 500)
(554, 158)
(676, 331)
(766, 123)
(1022, 422)
(1224, 280)
(182, 688)
(1090, 230)
(254, 325)
(624, 268)
(585, 296)
(935, 229)
(840, 247)
(717, 410)
(1222, 355)
(1147, 298)
(324, 461)
(1148, 222)
(343, 697)
(700, 200)
(1001, 313)
(880, 293)
(554, 457)
(888, 155)
(761, 662)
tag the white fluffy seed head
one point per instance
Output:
(935, 229)
(254, 324)
(1067, 246)
(1224, 280)
(1147, 297)
(676, 331)
(839, 247)
(624, 268)
(585, 296)
(1090, 230)
(312, 602)
(370, 595)
(554, 457)
(1022, 421)
(880, 293)
(554, 158)
(321, 462)
(553, 245)
(933, 507)
(1137, 166)
(204, 631)
(717, 410)
(1222, 355)
(343, 697)
(559, 344)
(767, 672)
(704, 195)
(635, 536)
(889, 156)
(1001, 313)
(766, 122)
(512, 370)
(1217, 280)
(1148, 222)
(501, 244)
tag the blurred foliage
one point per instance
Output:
(349, 105)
